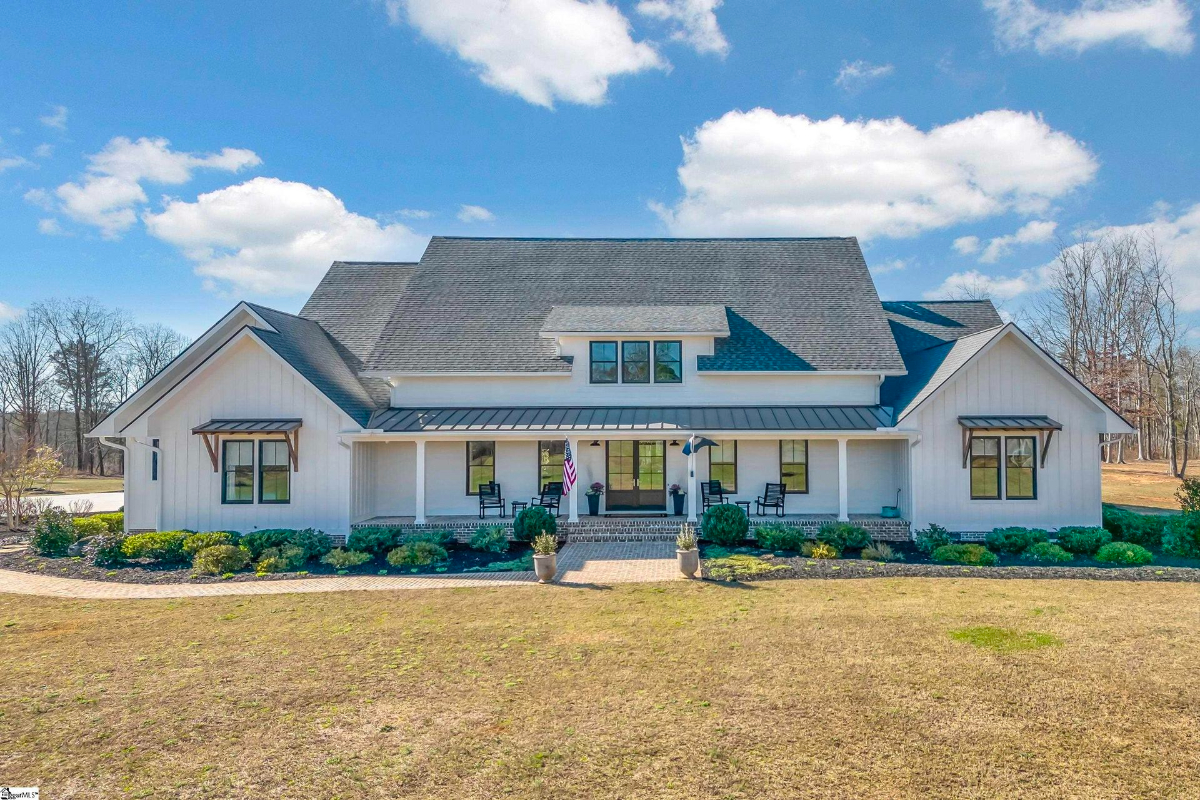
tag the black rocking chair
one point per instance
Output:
(711, 493)
(772, 497)
(490, 497)
(551, 497)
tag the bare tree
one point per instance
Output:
(25, 358)
(149, 349)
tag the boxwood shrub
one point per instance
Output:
(418, 554)
(376, 541)
(932, 538)
(341, 558)
(164, 546)
(725, 524)
(534, 521)
(53, 533)
(88, 526)
(844, 536)
(1181, 536)
(1082, 541)
(975, 555)
(218, 559)
(777, 536)
(1014, 540)
(489, 539)
(198, 541)
(1127, 526)
(443, 537)
(1045, 551)
(285, 558)
(1124, 553)
(115, 521)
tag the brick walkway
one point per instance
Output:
(592, 564)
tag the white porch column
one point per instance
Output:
(843, 483)
(692, 483)
(573, 495)
(420, 492)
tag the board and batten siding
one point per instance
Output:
(1007, 379)
(247, 381)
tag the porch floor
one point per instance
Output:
(608, 520)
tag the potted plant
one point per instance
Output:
(593, 495)
(677, 495)
(686, 551)
(545, 557)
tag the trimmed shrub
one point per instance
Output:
(376, 541)
(532, 522)
(53, 533)
(106, 549)
(313, 542)
(1045, 551)
(1181, 536)
(844, 536)
(442, 537)
(345, 559)
(162, 546)
(285, 558)
(489, 539)
(1014, 540)
(725, 524)
(115, 521)
(88, 526)
(975, 555)
(418, 554)
(881, 551)
(932, 538)
(218, 559)
(1082, 541)
(819, 550)
(259, 541)
(198, 541)
(777, 536)
(1188, 495)
(1124, 553)
(1127, 526)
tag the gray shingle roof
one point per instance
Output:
(637, 319)
(918, 325)
(630, 418)
(354, 301)
(794, 304)
(928, 369)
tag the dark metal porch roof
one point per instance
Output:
(248, 426)
(1010, 422)
(633, 418)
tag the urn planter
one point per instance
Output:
(545, 567)
(689, 561)
(593, 505)
(678, 499)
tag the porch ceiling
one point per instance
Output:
(633, 418)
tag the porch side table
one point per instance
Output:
(745, 504)
(517, 505)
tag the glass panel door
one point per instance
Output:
(622, 489)
(636, 476)
(651, 478)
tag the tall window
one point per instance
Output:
(635, 362)
(793, 465)
(722, 464)
(985, 468)
(274, 472)
(550, 462)
(668, 362)
(604, 362)
(154, 461)
(481, 465)
(1020, 477)
(237, 485)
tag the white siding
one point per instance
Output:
(246, 381)
(141, 494)
(1008, 379)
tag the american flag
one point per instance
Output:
(568, 468)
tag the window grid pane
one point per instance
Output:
(722, 464)
(1019, 475)
(274, 472)
(481, 465)
(550, 462)
(985, 468)
(793, 465)
(604, 362)
(668, 362)
(635, 362)
(238, 472)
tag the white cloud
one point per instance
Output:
(50, 227)
(1033, 232)
(1153, 24)
(891, 265)
(855, 75)
(974, 285)
(695, 22)
(762, 173)
(475, 214)
(8, 313)
(57, 118)
(111, 188)
(40, 198)
(269, 236)
(1178, 238)
(540, 50)
(966, 245)
(12, 161)
(43, 150)
(415, 213)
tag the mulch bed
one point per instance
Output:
(21, 558)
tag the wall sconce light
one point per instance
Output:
(595, 442)
(674, 443)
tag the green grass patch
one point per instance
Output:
(1004, 640)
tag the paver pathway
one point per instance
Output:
(583, 563)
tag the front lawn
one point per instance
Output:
(878, 689)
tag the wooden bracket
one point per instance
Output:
(211, 442)
(967, 436)
(293, 443)
(1046, 436)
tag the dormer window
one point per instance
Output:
(640, 362)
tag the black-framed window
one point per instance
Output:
(1020, 468)
(793, 465)
(635, 362)
(481, 465)
(722, 464)
(985, 468)
(274, 472)
(550, 461)
(604, 362)
(237, 471)
(154, 460)
(668, 362)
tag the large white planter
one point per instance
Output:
(689, 562)
(545, 567)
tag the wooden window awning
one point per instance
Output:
(212, 431)
(1043, 425)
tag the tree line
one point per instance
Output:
(66, 363)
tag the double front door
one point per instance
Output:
(636, 476)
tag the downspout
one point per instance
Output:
(108, 442)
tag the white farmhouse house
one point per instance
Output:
(767, 365)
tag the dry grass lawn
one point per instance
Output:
(880, 689)
(81, 484)
(1144, 486)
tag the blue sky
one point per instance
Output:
(171, 160)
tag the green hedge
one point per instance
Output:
(777, 536)
(88, 526)
(1125, 553)
(198, 541)
(534, 521)
(1082, 541)
(1142, 529)
(417, 554)
(975, 555)
(844, 536)
(1181, 536)
(219, 559)
(115, 521)
(161, 546)
(1045, 551)
(1014, 540)
(932, 538)
(489, 539)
